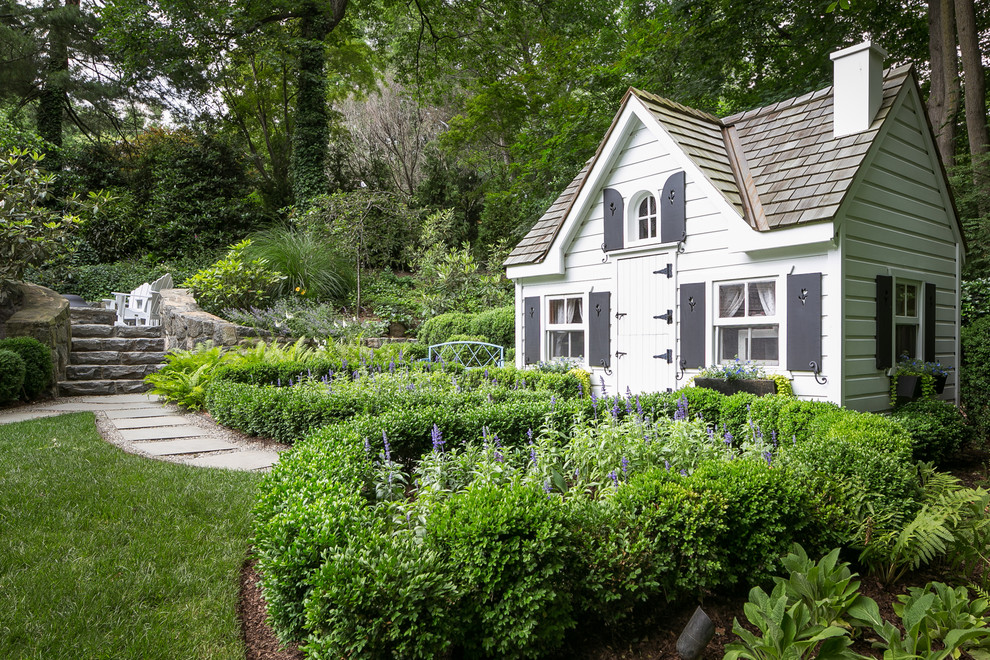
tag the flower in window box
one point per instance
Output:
(912, 378)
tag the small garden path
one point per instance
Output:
(140, 424)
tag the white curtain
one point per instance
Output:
(731, 300)
(574, 310)
(767, 298)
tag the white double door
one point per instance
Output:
(645, 321)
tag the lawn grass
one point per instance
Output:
(108, 555)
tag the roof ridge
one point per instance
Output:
(674, 105)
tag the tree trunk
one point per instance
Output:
(310, 140)
(943, 100)
(975, 84)
(53, 97)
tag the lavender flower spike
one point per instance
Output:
(614, 477)
(625, 466)
(437, 437)
(601, 379)
(388, 449)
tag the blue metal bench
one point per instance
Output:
(470, 354)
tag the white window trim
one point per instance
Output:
(915, 320)
(568, 327)
(748, 321)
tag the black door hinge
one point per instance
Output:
(668, 271)
(668, 317)
(667, 355)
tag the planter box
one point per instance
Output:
(909, 387)
(759, 387)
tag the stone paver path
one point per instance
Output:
(139, 424)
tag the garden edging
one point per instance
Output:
(185, 324)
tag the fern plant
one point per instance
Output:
(187, 374)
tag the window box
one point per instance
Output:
(757, 386)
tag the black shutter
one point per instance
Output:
(885, 322)
(694, 327)
(531, 321)
(614, 219)
(599, 329)
(929, 337)
(673, 209)
(804, 321)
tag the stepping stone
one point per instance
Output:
(148, 422)
(117, 398)
(74, 406)
(191, 446)
(26, 415)
(162, 433)
(251, 459)
(131, 413)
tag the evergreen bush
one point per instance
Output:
(37, 363)
(440, 328)
(497, 325)
(12, 370)
(974, 377)
(936, 428)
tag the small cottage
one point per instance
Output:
(816, 237)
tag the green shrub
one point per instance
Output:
(12, 370)
(311, 265)
(37, 363)
(498, 325)
(974, 377)
(233, 282)
(733, 415)
(657, 405)
(118, 229)
(703, 401)
(936, 428)
(765, 510)
(764, 412)
(188, 375)
(511, 552)
(97, 281)
(795, 416)
(440, 328)
(382, 595)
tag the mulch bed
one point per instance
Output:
(657, 636)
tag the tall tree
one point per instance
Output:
(975, 81)
(943, 95)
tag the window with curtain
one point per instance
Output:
(746, 324)
(565, 327)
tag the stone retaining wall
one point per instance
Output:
(184, 324)
(43, 315)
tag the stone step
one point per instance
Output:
(119, 344)
(85, 387)
(109, 371)
(92, 315)
(137, 331)
(117, 357)
(86, 330)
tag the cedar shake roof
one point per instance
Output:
(778, 166)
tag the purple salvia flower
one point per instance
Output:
(553, 402)
(357, 375)
(577, 473)
(666, 464)
(523, 383)
(437, 437)
(639, 408)
(410, 387)
(728, 439)
(367, 446)
(625, 466)
(547, 488)
(615, 408)
(343, 364)
(601, 379)
(773, 437)
(681, 414)
(391, 366)
(580, 389)
(711, 434)
(629, 408)
(767, 456)
(280, 381)
(614, 477)
(628, 392)
(683, 473)
(486, 374)
(499, 457)
(388, 449)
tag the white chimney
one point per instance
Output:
(858, 88)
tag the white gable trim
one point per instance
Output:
(632, 115)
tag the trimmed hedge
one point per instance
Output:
(12, 370)
(38, 367)
(936, 428)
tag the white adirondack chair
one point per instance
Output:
(142, 305)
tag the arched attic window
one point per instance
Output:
(645, 219)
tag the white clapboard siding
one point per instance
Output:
(897, 224)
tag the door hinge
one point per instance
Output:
(667, 355)
(668, 317)
(668, 271)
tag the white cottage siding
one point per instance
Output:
(897, 224)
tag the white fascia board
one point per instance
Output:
(743, 238)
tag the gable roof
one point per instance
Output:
(778, 166)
